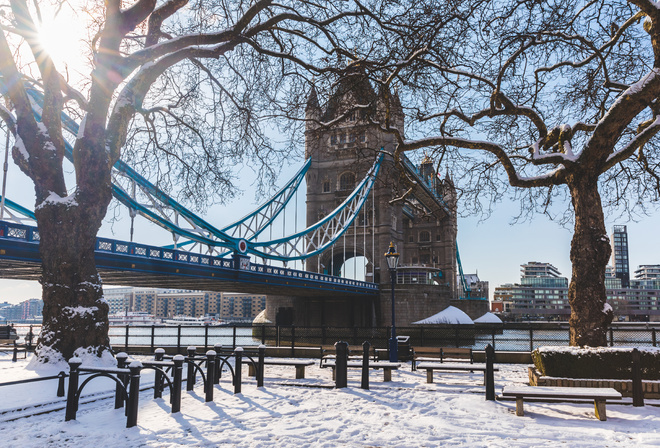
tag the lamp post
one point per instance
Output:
(392, 258)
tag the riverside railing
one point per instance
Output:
(509, 336)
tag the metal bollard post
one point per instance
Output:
(260, 371)
(366, 346)
(490, 373)
(637, 387)
(175, 396)
(72, 395)
(237, 369)
(14, 357)
(60, 384)
(210, 371)
(158, 375)
(218, 370)
(119, 392)
(341, 364)
(29, 338)
(134, 394)
(190, 383)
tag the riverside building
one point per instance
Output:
(542, 294)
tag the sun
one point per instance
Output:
(63, 37)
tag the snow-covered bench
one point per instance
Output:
(355, 353)
(598, 394)
(299, 364)
(440, 354)
(456, 367)
(385, 365)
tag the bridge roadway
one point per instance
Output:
(134, 264)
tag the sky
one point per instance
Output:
(493, 248)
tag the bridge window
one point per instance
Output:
(438, 237)
(411, 239)
(363, 137)
(333, 140)
(424, 236)
(342, 138)
(326, 186)
(347, 181)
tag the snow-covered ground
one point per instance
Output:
(406, 412)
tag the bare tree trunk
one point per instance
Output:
(590, 252)
(75, 313)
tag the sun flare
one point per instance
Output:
(63, 38)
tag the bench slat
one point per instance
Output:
(453, 366)
(592, 393)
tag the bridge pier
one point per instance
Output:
(333, 310)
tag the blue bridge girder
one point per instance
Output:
(125, 263)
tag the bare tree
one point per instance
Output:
(183, 89)
(557, 98)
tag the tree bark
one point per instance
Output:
(590, 252)
(75, 313)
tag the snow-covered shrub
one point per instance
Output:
(595, 362)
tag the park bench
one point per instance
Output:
(454, 367)
(597, 394)
(7, 334)
(443, 354)
(385, 365)
(8, 342)
(355, 353)
(299, 364)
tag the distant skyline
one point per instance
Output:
(493, 248)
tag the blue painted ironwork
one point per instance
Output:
(21, 243)
(464, 283)
(323, 234)
(239, 237)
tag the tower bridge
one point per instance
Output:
(354, 210)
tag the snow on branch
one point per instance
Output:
(55, 199)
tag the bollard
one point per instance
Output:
(134, 394)
(341, 364)
(175, 396)
(29, 338)
(60, 384)
(218, 370)
(190, 383)
(237, 369)
(365, 365)
(490, 373)
(260, 371)
(72, 395)
(119, 392)
(14, 357)
(637, 387)
(210, 371)
(159, 353)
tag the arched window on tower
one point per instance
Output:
(346, 181)
(424, 236)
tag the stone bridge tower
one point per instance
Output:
(422, 227)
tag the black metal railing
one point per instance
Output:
(522, 337)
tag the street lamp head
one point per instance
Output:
(392, 257)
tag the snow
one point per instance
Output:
(20, 146)
(488, 318)
(406, 412)
(54, 198)
(450, 315)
